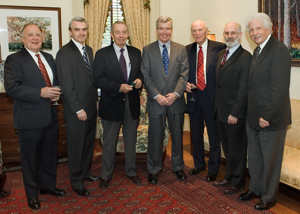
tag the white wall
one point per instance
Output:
(216, 13)
(66, 11)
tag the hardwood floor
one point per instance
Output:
(285, 203)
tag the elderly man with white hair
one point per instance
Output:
(269, 111)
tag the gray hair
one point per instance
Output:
(239, 26)
(264, 19)
(164, 19)
(77, 19)
(118, 22)
(27, 24)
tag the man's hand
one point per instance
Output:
(138, 83)
(232, 119)
(50, 92)
(82, 115)
(263, 123)
(188, 87)
(162, 100)
(171, 97)
(125, 88)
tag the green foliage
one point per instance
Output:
(295, 53)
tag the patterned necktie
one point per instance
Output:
(224, 59)
(44, 71)
(85, 58)
(256, 54)
(165, 59)
(122, 62)
(200, 71)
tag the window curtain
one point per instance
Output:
(138, 21)
(96, 12)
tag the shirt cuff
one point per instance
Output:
(79, 111)
(156, 96)
(176, 94)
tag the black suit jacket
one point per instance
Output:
(23, 82)
(269, 82)
(76, 82)
(213, 48)
(108, 76)
(232, 85)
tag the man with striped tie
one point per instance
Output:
(29, 76)
(203, 56)
(74, 62)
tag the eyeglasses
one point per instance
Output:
(230, 33)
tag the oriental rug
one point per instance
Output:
(122, 196)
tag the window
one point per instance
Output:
(115, 13)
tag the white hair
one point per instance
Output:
(264, 19)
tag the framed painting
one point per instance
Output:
(13, 18)
(286, 24)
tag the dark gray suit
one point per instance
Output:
(231, 99)
(78, 93)
(268, 97)
(156, 83)
(34, 119)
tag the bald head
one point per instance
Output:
(199, 31)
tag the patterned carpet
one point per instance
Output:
(122, 196)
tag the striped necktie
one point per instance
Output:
(224, 59)
(85, 58)
(200, 71)
(44, 71)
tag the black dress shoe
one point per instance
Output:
(222, 183)
(92, 178)
(34, 204)
(135, 179)
(233, 190)
(54, 191)
(82, 191)
(247, 196)
(211, 177)
(263, 205)
(196, 171)
(180, 175)
(153, 178)
(103, 183)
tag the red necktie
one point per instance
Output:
(200, 71)
(224, 58)
(44, 71)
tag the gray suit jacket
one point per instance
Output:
(268, 91)
(156, 81)
(76, 82)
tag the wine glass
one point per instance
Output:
(55, 103)
(193, 89)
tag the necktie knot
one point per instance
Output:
(122, 49)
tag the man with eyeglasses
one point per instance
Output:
(232, 73)
(117, 72)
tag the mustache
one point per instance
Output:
(257, 36)
(230, 39)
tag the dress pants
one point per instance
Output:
(109, 145)
(156, 133)
(80, 144)
(38, 148)
(234, 143)
(265, 152)
(204, 111)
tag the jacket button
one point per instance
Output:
(124, 99)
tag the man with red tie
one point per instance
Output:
(203, 56)
(28, 77)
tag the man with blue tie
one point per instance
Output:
(165, 70)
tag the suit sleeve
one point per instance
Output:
(239, 107)
(13, 82)
(280, 74)
(184, 73)
(146, 71)
(66, 77)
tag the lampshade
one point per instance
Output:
(211, 36)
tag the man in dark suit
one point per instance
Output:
(74, 62)
(28, 77)
(165, 70)
(202, 56)
(117, 72)
(231, 106)
(269, 111)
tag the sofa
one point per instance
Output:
(290, 172)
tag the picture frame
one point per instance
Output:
(271, 8)
(12, 18)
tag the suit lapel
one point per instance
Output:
(34, 67)
(173, 54)
(132, 62)
(193, 59)
(233, 58)
(158, 58)
(210, 55)
(219, 63)
(115, 62)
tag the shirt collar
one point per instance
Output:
(79, 46)
(264, 43)
(204, 45)
(32, 53)
(233, 49)
(117, 48)
(167, 44)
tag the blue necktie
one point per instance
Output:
(165, 58)
(85, 58)
(122, 62)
